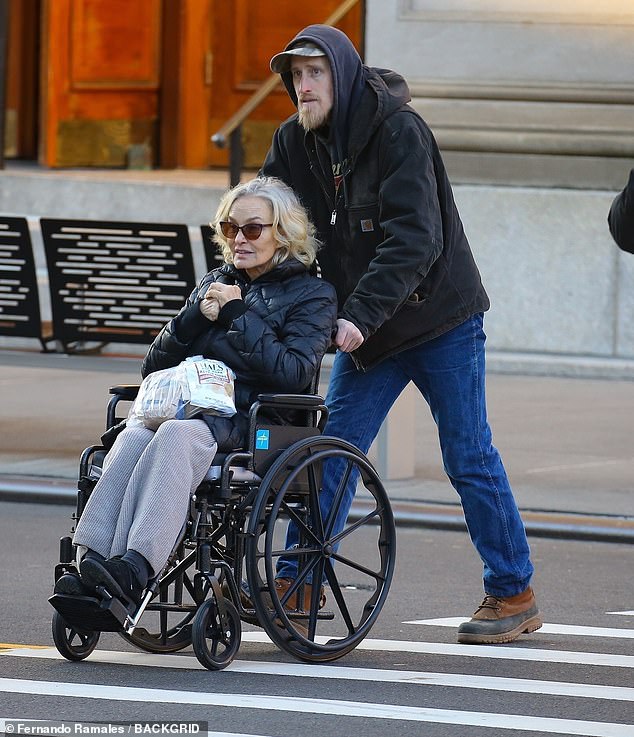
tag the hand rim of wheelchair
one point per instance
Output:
(281, 627)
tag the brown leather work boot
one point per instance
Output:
(282, 585)
(501, 619)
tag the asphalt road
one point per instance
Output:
(574, 676)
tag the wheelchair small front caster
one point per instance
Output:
(214, 647)
(72, 643)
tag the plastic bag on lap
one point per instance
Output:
(196, 385)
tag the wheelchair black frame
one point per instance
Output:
(221, 510)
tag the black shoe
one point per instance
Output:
(94, 555)
(115, 575)
(71, 585)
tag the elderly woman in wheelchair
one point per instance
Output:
(267, 317)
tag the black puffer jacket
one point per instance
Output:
(274, 339)
(395, 248)
(621, 217)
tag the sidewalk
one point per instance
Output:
(566, 443)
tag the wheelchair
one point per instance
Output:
(222, 570)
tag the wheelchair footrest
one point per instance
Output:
(90, 613)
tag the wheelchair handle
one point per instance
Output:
(125, 391)
(121, 392)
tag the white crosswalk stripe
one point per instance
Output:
(507, 723)
(319, 706)
(546, 629)
(340, 672)
(482, 651)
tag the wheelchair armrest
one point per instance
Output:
(312, 404)
(125, 391)
(120, 393)
(303, 401)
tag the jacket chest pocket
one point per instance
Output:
(364, 229)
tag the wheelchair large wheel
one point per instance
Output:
(166, 625)
(214, 646)
(355, 564)
(72, 643)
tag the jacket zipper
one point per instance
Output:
(337, 200)
(317, 173)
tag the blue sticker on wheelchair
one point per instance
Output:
(262, 440)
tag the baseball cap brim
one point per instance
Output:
(282, 62)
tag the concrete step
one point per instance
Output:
(162, 196)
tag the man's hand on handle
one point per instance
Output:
(348, 336)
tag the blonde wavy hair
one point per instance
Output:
(294, 233)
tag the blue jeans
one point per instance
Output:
(449, 371)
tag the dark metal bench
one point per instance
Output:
(213, 257)
(115, 281)
(20, 315)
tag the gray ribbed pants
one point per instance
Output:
(142, 499)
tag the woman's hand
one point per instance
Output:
(223, 293)
(210, 308)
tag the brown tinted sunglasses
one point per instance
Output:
(251, 231)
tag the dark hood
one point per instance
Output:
(350, 78)
(387, 92)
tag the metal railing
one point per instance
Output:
(231, 131)
(4, 53)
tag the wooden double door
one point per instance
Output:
(119, 83)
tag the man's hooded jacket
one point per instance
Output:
(394, 246)
(621, 217)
